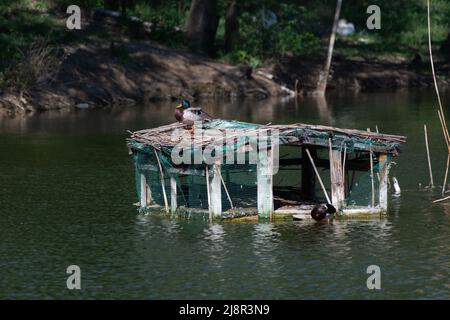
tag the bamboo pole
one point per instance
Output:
(434, 73)
(226, 189)
(166, 203)
(446, 174)
(443, 199)
(371, 178)
(441, 109)
(318, 176)
(208, 193)
(428, 155)
(447, 142)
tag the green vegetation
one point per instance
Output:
(403, 29)
(28, 35)
(261, 31)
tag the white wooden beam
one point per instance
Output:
(337, 179)
(265, 183)
(215, 191)
(384, 176)
(143, 192)
(173, 194)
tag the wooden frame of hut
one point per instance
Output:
(320, 148)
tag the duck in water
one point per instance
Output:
(322, 211)
(188, 115)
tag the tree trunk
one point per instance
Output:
(323, 77)
(231, 26)
(201, 26)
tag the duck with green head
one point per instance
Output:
(186, 114)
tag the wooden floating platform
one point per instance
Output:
(340, 161)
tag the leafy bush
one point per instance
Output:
(297, 43)
(258, 42)
(167, 20)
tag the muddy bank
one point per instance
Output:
(95, 75)
(360, 75)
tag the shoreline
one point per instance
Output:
(99, 73)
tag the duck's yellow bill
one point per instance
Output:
(179, 106)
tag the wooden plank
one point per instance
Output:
(372, 178)
(143, 192)
(337, 180)
(215, 187)
(353, 164)
(265, 183)
(175, 170)
(320, 142)
(173, 194)
(357, 165)
(305, 213)
(384, 176)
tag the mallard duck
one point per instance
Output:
(321, 211)
(186, 114)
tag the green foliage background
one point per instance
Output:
(301, 29)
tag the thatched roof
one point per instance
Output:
(172, 135)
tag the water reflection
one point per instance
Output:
(214, 233)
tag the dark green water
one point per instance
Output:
(67, 188)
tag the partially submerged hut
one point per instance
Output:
(230, 169)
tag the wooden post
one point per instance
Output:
(173, 194)
(308, 177)
(343, 165)
(215, 191)
(384, 176)
(208, 192)
(372, 178)
(264, 170)
(143, 192)
(336, 177)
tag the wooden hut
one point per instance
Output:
(227, 168)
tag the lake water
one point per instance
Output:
(67, 188)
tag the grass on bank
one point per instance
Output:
(300, 29)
